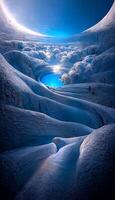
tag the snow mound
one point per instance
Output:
(96, 167)
(57, 143)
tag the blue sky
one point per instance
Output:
(59, 18)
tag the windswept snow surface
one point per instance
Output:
(57, 143)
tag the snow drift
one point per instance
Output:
(57, 143)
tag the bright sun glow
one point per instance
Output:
(14, 23)
(56, 68)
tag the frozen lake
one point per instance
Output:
(52, 80)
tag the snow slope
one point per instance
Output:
(58, 144)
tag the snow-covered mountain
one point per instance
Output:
(57, 143)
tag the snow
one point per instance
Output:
(96, 166)
(57, 143)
